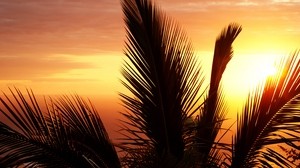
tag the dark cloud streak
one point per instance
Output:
(29, 68)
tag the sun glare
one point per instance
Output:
(263, 70)
(263, 67)
(247, 71)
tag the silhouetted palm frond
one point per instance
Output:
(271, 114)
(164, 79)
(214, 110)
(39, 138)
(87, 132)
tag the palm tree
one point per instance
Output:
(172, 118)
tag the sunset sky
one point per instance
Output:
(76, 46)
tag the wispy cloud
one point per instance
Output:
(60, 26)
(206, 5)
(61, 40)
(286, 1)
(29, 68)
(37, 35)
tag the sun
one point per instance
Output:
(248, 71)
(263, 70)
(262, 67)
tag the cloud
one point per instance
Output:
(37, 35)
(31, 68)
(286, 1)
(60, 26)
(205, 5)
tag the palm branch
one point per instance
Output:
(270, 116)
(87, 132)
(38, 138)
(164, 78)
(214, 111)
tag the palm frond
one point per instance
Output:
(270, 112)
(87, 132)
(163, 77)
(214, 110)
(28, 138)
(44, 137)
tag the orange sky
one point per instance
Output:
(73, 46)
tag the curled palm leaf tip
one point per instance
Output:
(213, 113)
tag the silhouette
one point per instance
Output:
(172, 118)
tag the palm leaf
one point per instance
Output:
(28, 139)
(39, 138)
(214, 110)
(163, 78)
(269, 114)
(87, 132)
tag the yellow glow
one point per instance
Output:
(261, 70)
(271, 71)
(245, 72)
